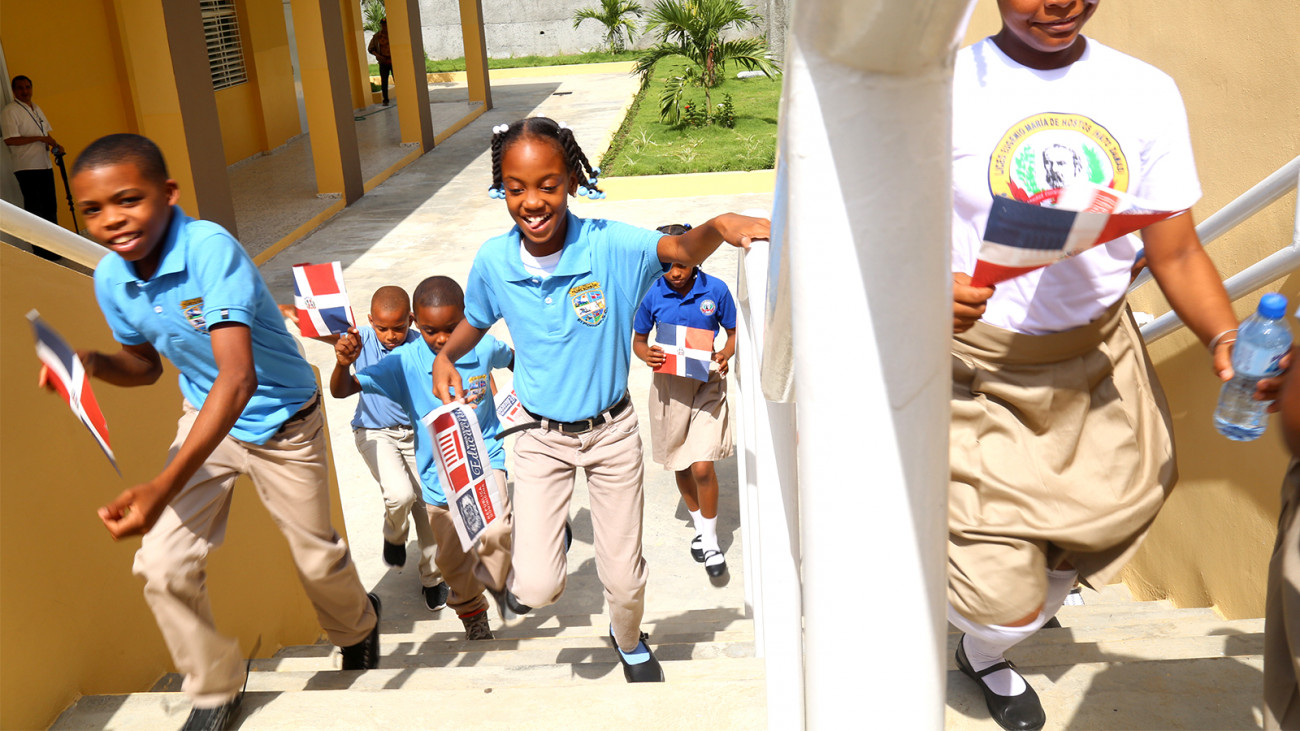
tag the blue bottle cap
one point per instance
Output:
(1272, 306)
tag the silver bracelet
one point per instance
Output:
(1214, 341)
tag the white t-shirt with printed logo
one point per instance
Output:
(1108, 119)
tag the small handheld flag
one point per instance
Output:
(70, 380)
(464, 470)
(321, 299)
(688, 351)
(1021, 237)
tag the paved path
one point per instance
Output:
(430, 219)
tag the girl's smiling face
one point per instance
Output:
(1043, 34)
(537, 185)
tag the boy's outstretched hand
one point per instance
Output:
(135, 511)
(348, 348)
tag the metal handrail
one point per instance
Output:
(36, 230)
(1268, 269)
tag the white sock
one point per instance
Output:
(708, 528)
(696, 517)
(987, 644)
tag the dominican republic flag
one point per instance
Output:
(1021, 237)
(321, 299)
(464, 471)
(65, 371)
(688, 351)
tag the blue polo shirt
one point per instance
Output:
(375, 411)
(572, 330)
(406, 377)
(706, 305)
(205, 277)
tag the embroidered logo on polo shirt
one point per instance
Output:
(708, 307)
(1041, 154)
(193, 311)
(588, 302)
(476, 387)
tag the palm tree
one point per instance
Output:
(372, 12)
(613, 15)
(692, 29)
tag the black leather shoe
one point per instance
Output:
(697, 548)
(715, 567)
(365, 654)
(395, 554)
(1021, 712)
(213, 719)
(647, 672)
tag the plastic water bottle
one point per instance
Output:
(1262, 340)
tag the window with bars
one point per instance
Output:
(225, 52)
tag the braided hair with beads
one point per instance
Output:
(504, 135)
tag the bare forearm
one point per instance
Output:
(462, 340)
(342, 382)
(641, 346)
(123, 368)
(226, 401)
(1194, 290)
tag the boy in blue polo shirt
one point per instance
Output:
(568, 289)
(186, 290)
(689, 419)
(386, 440)
(404, 377)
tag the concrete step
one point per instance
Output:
(450, 627)
(1199, 693)
(688, 703)
(1115, 618)
(1058, 647)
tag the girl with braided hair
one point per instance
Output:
(568, 289)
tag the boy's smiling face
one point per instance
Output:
(436, 324)
(391, 326)
(126, 211)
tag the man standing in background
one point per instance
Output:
(27, 132)
(379, 49)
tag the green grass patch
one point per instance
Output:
(645, 146)
(458, 64)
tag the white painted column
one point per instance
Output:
(866, 136)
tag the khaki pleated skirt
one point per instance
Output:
(689, 420)
(1061, 450)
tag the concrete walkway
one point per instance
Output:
(430, 219)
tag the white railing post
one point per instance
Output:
(866, 133)
(33, 229)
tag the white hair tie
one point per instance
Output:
(500, 129)
(562, 125)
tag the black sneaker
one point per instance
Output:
(219, 718)
(646, 672)
(395, 554)
(365, 654)
(509, 608)
(435, 597)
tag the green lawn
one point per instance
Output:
(458, 64)
(646, 146)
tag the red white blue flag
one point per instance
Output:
(688, 351)
(1021, 237)
(321, 299)
(68, 376)
(465, 471)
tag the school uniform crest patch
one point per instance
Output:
(708, 307)
(193, 311)
(588, 302)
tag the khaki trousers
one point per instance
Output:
(468, 572)
(546, 461)
(390, 455)
(1282, 614)
(289, 474)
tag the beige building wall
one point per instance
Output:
(1240, 80)
(73, 620)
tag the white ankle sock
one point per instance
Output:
(708, 528)
(986, 646)
(696, 517)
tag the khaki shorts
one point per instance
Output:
(689, 420)
(1282, 614)
(1061, 450)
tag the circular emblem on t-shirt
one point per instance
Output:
(708, 307)
(588, 302)
(1041, 154)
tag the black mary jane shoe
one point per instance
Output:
(1022, 712)
(649, 671)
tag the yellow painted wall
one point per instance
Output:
(242, 133)
(1240, 80)
(73, 619)
(81, 93)
(269, 51)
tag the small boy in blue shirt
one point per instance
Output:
(386, 440)
(404, 376)
(689, 420)
(185, 289)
